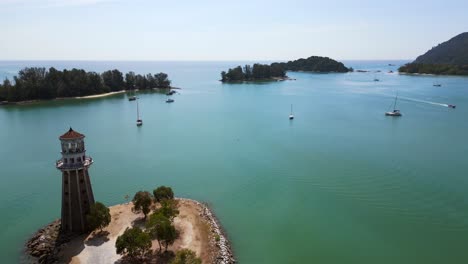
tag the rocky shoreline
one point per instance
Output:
(224, 255)
(46, 243)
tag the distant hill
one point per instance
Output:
(448, 58)
(315, 64)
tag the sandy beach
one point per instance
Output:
(100, 95)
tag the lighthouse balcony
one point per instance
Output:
(64, 164)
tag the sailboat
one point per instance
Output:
(139, 122)
(395, 111)
(291, 116)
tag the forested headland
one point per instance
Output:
(277, 70)
(448, 58)
(38, 83)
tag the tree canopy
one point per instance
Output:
(98, 216)
(38, 83)
(186, 256)
(253, 73)
(278, 70)
(142, 202)
(162, 193)
(133, 243)
(161, 228)
(315, 64)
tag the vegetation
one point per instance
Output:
(441, 69)
(133, 243)
(278, 70)
(186, 256)
(315, 64)
(168, 208)
(142, 202)
(98, 217)
(163, 193)
(448, 58)
(161, 228)
(39, 83)
(253, 73)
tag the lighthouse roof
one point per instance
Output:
(71, 134)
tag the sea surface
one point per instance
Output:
(341, 183)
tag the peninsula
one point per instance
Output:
(38, 83)
(448, 58)
(277, 70)
(153, 228)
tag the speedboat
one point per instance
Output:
(437, 85)
(171, 92)
(133, 98)
(393, 113)
(169, 100)
(452, 106)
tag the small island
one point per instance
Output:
(277, 70)
(448, 58)
(152, 228)
(38, 83)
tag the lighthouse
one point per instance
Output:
(77, 193)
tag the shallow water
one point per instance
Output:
(341, 183)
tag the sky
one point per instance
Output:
(211, 30)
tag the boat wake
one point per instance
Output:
(422, 101)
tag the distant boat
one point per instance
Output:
(376, 80)
(452, 106)
(437, 85)
(171, 92)
(390, 72)
(395, 111)
(133, 98)
(169, 100)
(291, 116)
(139, 121)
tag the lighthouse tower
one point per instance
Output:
(77, 193)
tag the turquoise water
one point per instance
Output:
(341, 183)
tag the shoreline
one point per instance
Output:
(29, 102)
(200, 231)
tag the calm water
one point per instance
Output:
(342, 183)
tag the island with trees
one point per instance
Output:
(153, 228)
(277, 71)
(38, 83)
(448, 58)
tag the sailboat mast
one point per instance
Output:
(291, 109)
(394, 105)
(138, 111)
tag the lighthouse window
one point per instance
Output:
(65, 160)
(72, 160)
(66, 193)
(79, 159)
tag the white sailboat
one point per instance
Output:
(139, 121)
(395, 111)
(291, 116)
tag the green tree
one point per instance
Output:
(142, 202)
(133, 243)
(98, 216)
(161, 228)
(186, 256)
(163, 193)
(168, 209)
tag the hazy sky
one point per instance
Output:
(225, 30)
